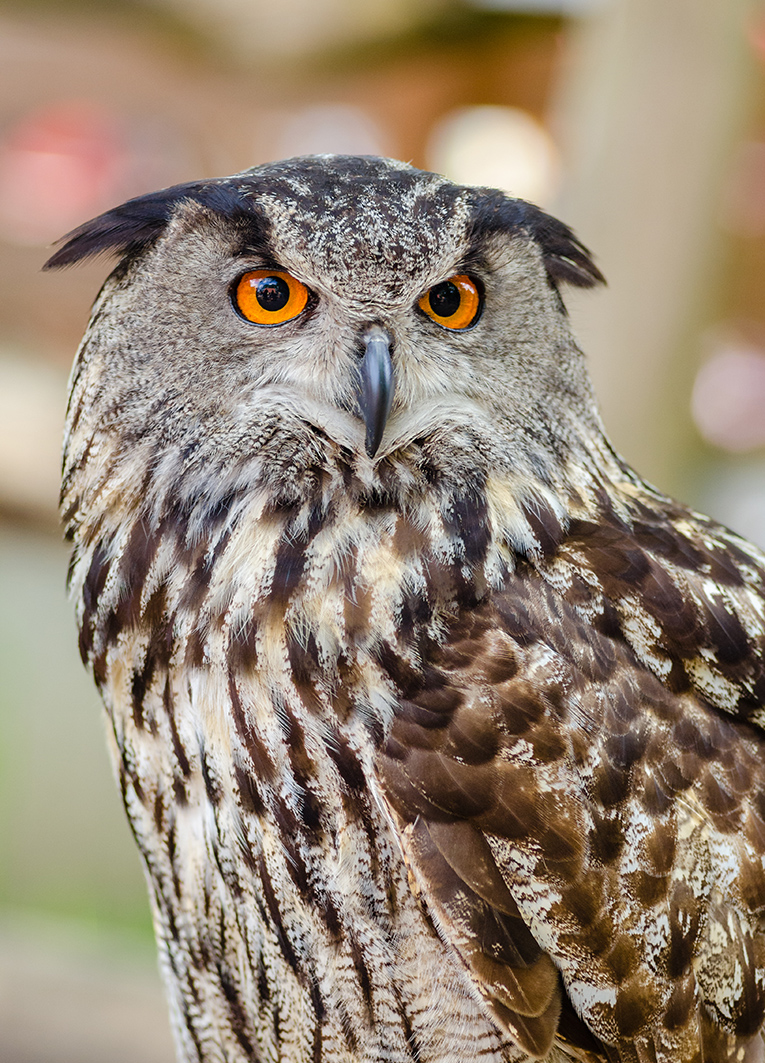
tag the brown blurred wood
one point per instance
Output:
(654, 98)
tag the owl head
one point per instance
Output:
(329, 303)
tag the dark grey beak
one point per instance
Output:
(376, 387)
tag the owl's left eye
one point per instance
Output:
(454, 303)
(269, 297)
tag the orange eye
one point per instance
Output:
(455, 303)
(269, 296)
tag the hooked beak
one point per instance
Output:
(376, 386)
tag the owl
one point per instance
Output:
(439, 731)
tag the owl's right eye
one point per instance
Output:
(269, 297)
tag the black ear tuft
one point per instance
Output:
(566, 258)
(133, 226)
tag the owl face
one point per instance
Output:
(350, 300)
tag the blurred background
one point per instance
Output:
(640, 122)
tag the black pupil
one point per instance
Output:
(273, 293)
(445, 299)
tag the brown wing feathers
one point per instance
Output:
(543, 765)
(520, 982)
(440, 768)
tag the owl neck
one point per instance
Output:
(330, 558)
(475, 502)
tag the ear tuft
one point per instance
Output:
(130, 228)
(566, 259)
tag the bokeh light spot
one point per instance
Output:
(329, 128)
(58, 166)
(502, 147)
(728, 399)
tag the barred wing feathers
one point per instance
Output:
(576, 753)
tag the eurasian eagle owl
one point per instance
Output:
(439, 731)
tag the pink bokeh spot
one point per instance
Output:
(58, 166)
(728, 401)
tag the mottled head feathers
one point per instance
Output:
(128, 229)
